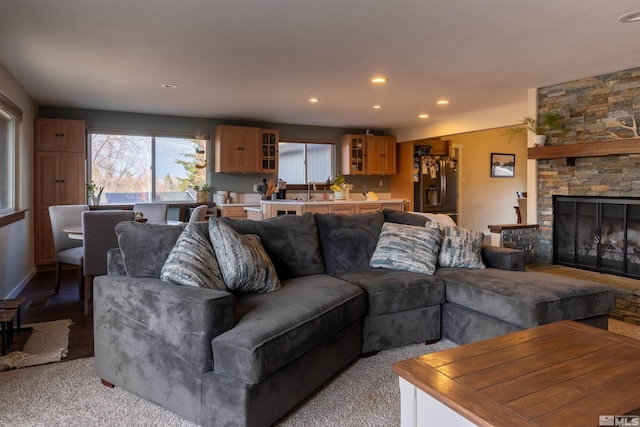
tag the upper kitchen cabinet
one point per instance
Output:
(60, 135)
(237, 149)
(269, 139)
(438, 147)
(353, 154)
(368, 154)
(381, 155)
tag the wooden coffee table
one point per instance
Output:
(560, 374)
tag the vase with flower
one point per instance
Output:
(340, 187)
(92, 195)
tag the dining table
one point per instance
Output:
(75, 231)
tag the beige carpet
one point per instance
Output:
(63, 394)
(49, 342)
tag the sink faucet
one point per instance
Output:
(309, 184)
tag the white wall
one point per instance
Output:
(485, 200)
(508, 115)
(16, 239)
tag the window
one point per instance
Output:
(301, 162)
(141, 168)
(7, 142)
(10, 113)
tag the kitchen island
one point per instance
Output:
(273, 208)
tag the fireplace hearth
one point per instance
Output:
(597, 233)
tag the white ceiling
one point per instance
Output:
(263, 59)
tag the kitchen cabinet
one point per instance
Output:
(353, 155)
(381, 155)
(269, 139)
(373, 208)
(368, 154)
(438, 147)
(343, 208)
(59, 176)
(237, 149)
(233, 212)
(60, 135)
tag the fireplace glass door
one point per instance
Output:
(597, 233)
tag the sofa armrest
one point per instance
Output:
(138, 320)
(503, 258)
(115, 263)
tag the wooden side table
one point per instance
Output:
(13, 304)
(6, 328)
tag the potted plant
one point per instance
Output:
(202, 192)
(340, 187)
(91, 193)
(549, 121)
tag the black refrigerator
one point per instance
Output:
(435, 184)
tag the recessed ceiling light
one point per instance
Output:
(169, 85)
(628, 18)
(423, 116)
(313, 100)
(442, 102)
(377, 107)
(379, 80)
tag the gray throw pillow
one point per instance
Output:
(407, 247)
(145, 247)
(244, 264)
(192, 262)
(460, 247)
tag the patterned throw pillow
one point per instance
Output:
(460, 247)
(192, 262)
(407, 247)
(244, 264)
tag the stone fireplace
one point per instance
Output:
(598, 156)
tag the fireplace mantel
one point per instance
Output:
(586, 149)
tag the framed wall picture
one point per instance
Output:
(503, 165)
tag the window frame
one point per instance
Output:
(145, 134)
(12, 113)
(307, 141)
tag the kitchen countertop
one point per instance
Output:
(247, 204)
(327, 202)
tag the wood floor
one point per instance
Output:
(43, 305)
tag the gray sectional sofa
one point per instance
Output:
(223, 358)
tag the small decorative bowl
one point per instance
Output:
(142, 219)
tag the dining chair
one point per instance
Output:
(152, 211)
(67, 250)
(99, 235)
(199, 213)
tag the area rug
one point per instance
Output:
(366, 393)
(48, 342)
(69, 393)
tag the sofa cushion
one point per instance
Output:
(267, 336)
(244, 264)
(348, 241)
(407, 247)
(192, 262)
(460, 247)
(291, 241)
(391, 291)
(145, 247)
(401, 217)
(526, 299)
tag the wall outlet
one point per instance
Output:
(381, 183)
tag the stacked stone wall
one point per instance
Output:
(592, 110)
